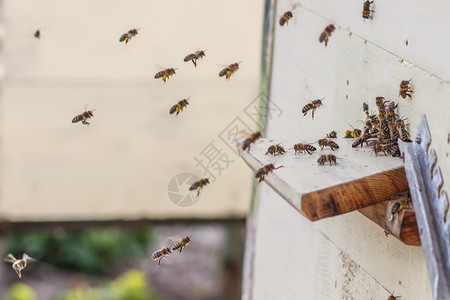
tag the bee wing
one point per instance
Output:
(28, 258)
(10, 258)
(160, 68)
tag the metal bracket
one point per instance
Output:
(431, 205)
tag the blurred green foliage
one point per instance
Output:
(20, 291)
(130, 286)
(91, 251)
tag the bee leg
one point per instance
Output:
(159, 261)
(195, 62)
(313, 113)
(85, 122)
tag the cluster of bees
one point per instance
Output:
(166, 251)
(381, 131)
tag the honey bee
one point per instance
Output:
(160, 254)
(390, 110)
(228, 71)
(18, 264)
(37, 34)
(326, 34)
(315, 104)
(165, 74)
(325, 142)
(198, 185)
(396, 208)
(261, 173)
(405, 90)
(179, 246)
(365, 107)
(276, 149)
(402, 132)
(392, 297)
(83, 117)
(380, 147)
(360, 140)
(127, 36)
(179, 106)
(331, 135)
(300, 148)
(352, 133)
(251, 139)
(366, 13)
(285, 18)
(326, 158)
(195, 56)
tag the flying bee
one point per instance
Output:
(360, 140)
(367, 12)
(315, 104)
(127, 36)
(327, 158)
(228, 71)
(326, 33)
(37, 34)
(179, 106)
(396, 208)
(405, 89)
(18, 264)
(331, 135)
(276, 149)
(285, 18)
(83, 117)
(300, 148)
(325, 142)
(251, 139)
(195, 56)
(165, 74)
(179, 246)
(198, 185)
(352, 133)
(160, 254)
(261, 173)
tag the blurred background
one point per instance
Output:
(91, 203)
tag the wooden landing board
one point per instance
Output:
(358, 180)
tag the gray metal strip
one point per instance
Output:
(430, 205)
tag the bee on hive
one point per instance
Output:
(325, 142)
(177, 108)
(300, 148)
(127, 36)
(83, 117)
(275, 149)
(195, 56)
(313, 105)
(261, 173)
(326, 33)
(367, 12)
(405, 89)
(18, 264)
(250, 140)
(285, 18)
(160, 254)
(326, 158)
(331, 135)
(230, 70)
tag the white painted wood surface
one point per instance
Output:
(363, 60)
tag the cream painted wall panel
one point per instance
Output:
(294, 260)
(422, 23)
